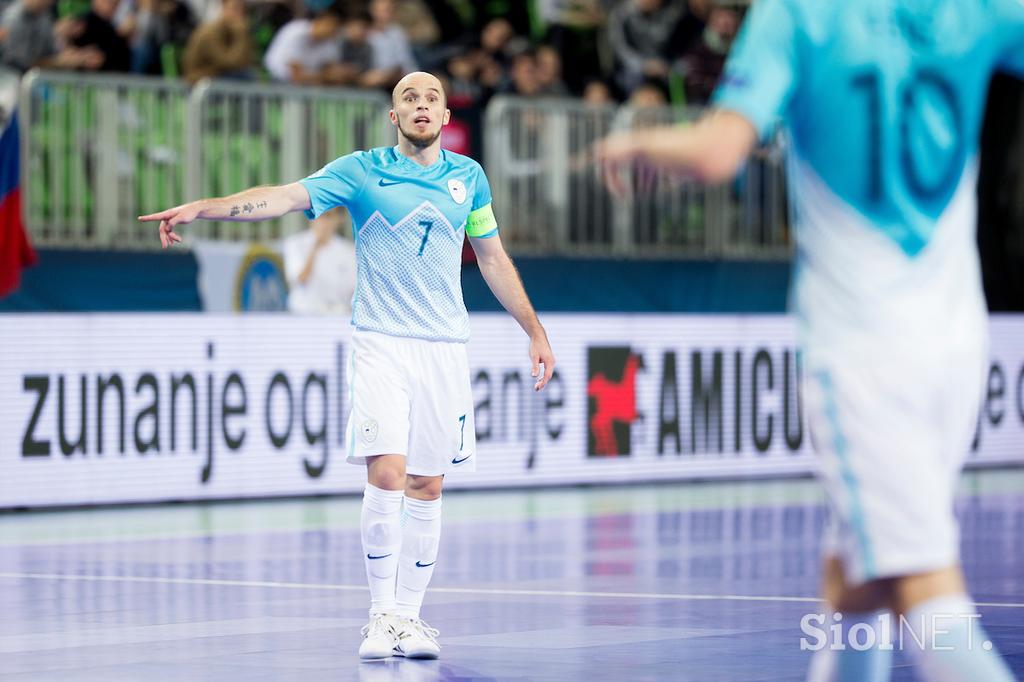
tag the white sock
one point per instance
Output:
(421, 533)
(850, 659)
(956, 647)
(381, 529)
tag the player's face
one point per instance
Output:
(419, 112)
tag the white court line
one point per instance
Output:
(442, 590)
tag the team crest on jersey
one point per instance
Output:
(457, 188)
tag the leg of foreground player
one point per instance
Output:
(956, 648)
(863, 607)
(936, 624)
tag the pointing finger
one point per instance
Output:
(162, 215)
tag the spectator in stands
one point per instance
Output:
(125, 19)
(464, 88)
(418, 23)
(102, 47)
(516, 13)
(549, 72)
(492, 77)
(26, 34)
(525, 81)
(640, 33)
(320, 266)
(220, 48)
(266, 18)
(597, 93)
(161, 34)
(305, 51)
(356, 55)
(705, 63)
(314, 7)
(648, 95)
(449, 22)
(391, 49)
(574, 28)
(497, 46)
(496, 40)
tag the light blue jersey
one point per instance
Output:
(409, 223)
(883, 101)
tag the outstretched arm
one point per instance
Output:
(258, 203)
(503, 279)
(711, 150)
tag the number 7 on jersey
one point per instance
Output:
(427, 224)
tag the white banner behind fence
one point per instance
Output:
(140, 408)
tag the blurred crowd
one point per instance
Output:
(647, 52)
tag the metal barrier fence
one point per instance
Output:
(100, 150)
(97, 151)
(549, 197)
(243, 135)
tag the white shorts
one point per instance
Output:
(892, 437)
(410, 397)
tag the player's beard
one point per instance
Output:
(420, 140)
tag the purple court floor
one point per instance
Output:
(683, 582)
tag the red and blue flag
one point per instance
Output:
(15, 250)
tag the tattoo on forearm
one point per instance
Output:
(247, 207)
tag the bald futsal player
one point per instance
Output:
(412, 407)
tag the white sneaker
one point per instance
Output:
(416, 639)
(379, 637)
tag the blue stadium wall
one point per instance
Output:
(98, 281)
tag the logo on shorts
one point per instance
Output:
(611, 393)
(457, 188)
(460, 461)
(368, 431)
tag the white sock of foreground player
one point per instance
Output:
(946, 641)
(850, 658)
(421, 534)
(381, 529)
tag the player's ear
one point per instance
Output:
(447, 117)
(393, 116)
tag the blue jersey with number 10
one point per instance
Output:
(883, 101)
(409, 223)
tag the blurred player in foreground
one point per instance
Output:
(883, 101)
(412, 407)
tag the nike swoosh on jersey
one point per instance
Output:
(384, 183)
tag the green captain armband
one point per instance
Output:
(481, 222)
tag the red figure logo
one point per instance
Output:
(613, 402)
